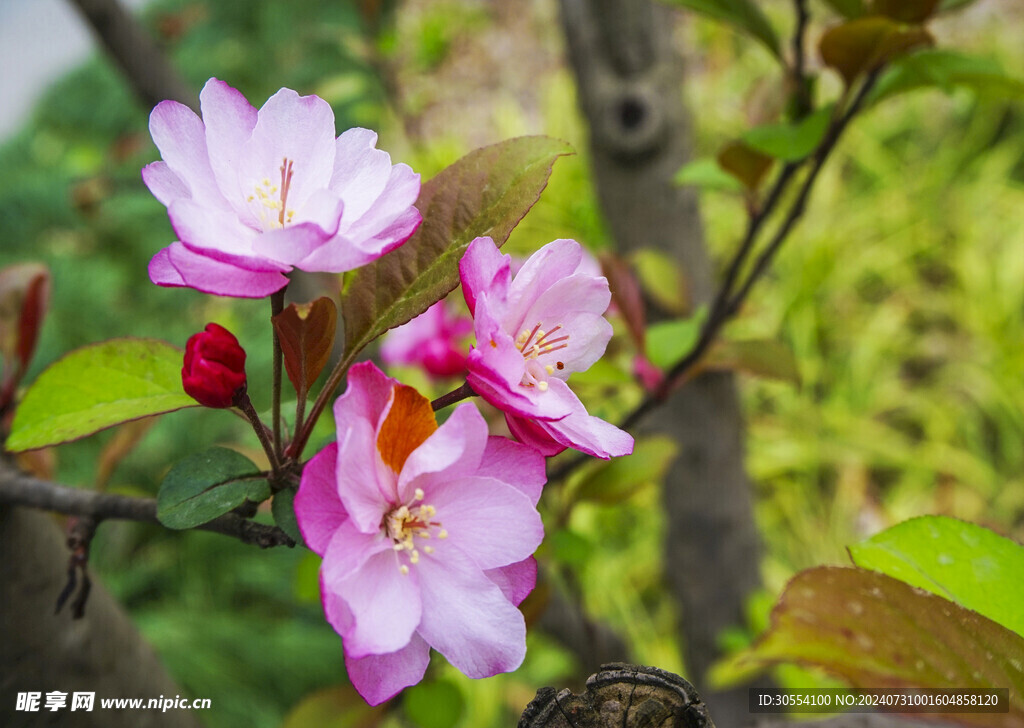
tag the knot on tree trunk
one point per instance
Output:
(621, 696)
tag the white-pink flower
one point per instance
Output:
(253, 194)
(532, 332)
(426, 534)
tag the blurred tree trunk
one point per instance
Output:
(630, 90)
(102, 653)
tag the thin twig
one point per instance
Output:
(727, 303)
(456, 395)
(333, 380)
(276, 307)
(245, 404)
(18, 489)
(801, 92)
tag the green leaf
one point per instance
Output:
(436, 704)
(569, 547)
(744, 15)
(206, 485)
(707, 174)
(669, 341)
(486, 193)
(618, 479)
(973, 566)
(946, 70)
(96, 387)
(662, 278)
(791, 142)
(873, 631)
(758, 357)
(283, 510)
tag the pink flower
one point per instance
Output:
(253, 194)
(426, 534)
(532, 332)
(432, 340)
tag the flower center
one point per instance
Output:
(536, 343)
(273, 198)
(408, 522)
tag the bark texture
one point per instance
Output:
(42, 652)
(630, 91)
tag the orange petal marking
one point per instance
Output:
(410, 421)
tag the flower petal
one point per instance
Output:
(517, 580)
(493, 522)
(229, 120)
(385, 604)
(299, 129)
(484, 270)
(520, 466)
(165, 185)
(495, 372)
(356, 414)
(381, 677)
(348, 551)
(452, 451)
(361, 172)
(162, 271)
(289, 245)
(579, 430)
(575, 304)
(318, 509)
(211, 276)
(531, 433)
(217, 233)
(467, 618)
(401, 188)
(181, 138)
(557, 260)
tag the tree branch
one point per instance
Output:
(132, 48)
(726, 303)
(16, 488)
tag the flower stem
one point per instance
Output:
(456, 395)
(276, 307)
(333, 380)
(245, 404)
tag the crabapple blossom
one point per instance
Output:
(426, 534)
(532, 332)
(432, 340)
(253, 194)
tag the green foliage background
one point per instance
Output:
(901, 296)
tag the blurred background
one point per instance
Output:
(900, 298)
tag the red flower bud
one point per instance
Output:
(214, 371)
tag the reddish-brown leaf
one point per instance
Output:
(905, 11)
(306, 332)
(24, 295)
(744, 163)
(876, 632)
(865, 44)
(626, 295)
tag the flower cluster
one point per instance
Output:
(426, 531)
